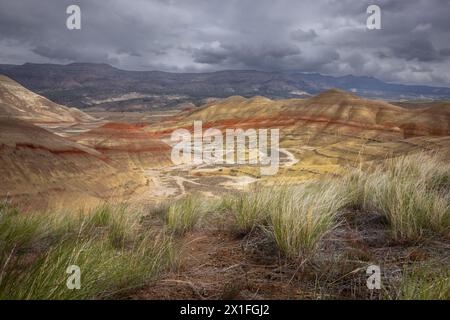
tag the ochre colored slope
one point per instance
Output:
(39, 168)
(53, 155)
(20, 103)
(333, 107)
(330, 131)
(325, 134)
(127, 144)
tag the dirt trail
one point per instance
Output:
(170, 181)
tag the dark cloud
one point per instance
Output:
(72, 54)
(210, 54)
(416, 49)
(301, 35)
(445, 52)
(327, 36)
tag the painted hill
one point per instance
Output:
(51, 155)
(20, 103)
(328, 132)
(39, 168)
(324, 134)
(333, 107)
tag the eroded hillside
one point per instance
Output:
(47, 161)
(50, 152)
(326, 133)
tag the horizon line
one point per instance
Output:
(229, 70)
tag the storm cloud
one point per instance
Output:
(325, 36)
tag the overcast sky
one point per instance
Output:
(326, 36)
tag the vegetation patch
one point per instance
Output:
(108, 244)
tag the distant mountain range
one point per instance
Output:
(86, 85)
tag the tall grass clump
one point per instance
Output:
(411, 208)
(251, 209)
(114, 253)
(296, 218)
(355, 185)
(424, 284)
(303, 216)
(184, 214)
(429, 168)
(17, 231)
(118, 222)
(411, 191)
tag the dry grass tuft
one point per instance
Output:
(108, 244)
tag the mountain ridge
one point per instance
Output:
(86, 85)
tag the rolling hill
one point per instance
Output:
(328, 132)
(45, 162)
(20, 103)
(333, 107)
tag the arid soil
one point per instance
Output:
(218, 263)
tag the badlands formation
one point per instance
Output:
(51, 155)
(55, 156)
